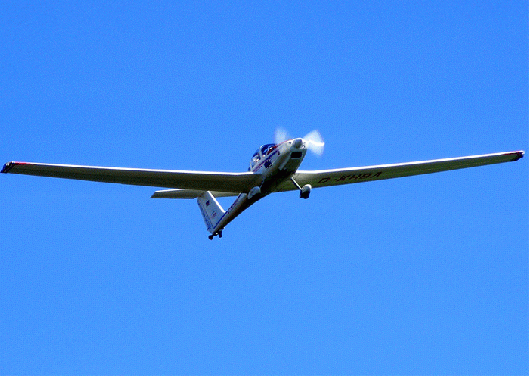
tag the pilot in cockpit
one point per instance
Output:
(266, 149)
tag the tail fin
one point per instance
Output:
(210, 209)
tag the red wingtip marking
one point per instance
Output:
(519, 153)
(9, 165)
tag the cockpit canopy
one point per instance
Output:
(260, 153)
(266, 149)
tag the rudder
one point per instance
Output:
(210, 209)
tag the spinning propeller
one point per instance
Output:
(313, 140)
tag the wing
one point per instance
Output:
(323, 178)
(193, 180)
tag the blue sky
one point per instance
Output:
(420, 275)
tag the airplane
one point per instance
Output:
(273, 168)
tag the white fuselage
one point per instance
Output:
(275, 164)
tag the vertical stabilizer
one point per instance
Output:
(210, 209)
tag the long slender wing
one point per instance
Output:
(323, 178)
(197, 180)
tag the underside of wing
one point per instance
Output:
(187, 180)
(323, 178)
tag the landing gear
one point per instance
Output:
(219, 234)
(304, 191)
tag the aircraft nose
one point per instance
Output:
(297, 143)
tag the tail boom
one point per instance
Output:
(216, 218)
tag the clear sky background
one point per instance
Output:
(419, 275)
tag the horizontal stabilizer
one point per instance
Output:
(188, 193)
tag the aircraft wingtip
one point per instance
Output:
(8, 166)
